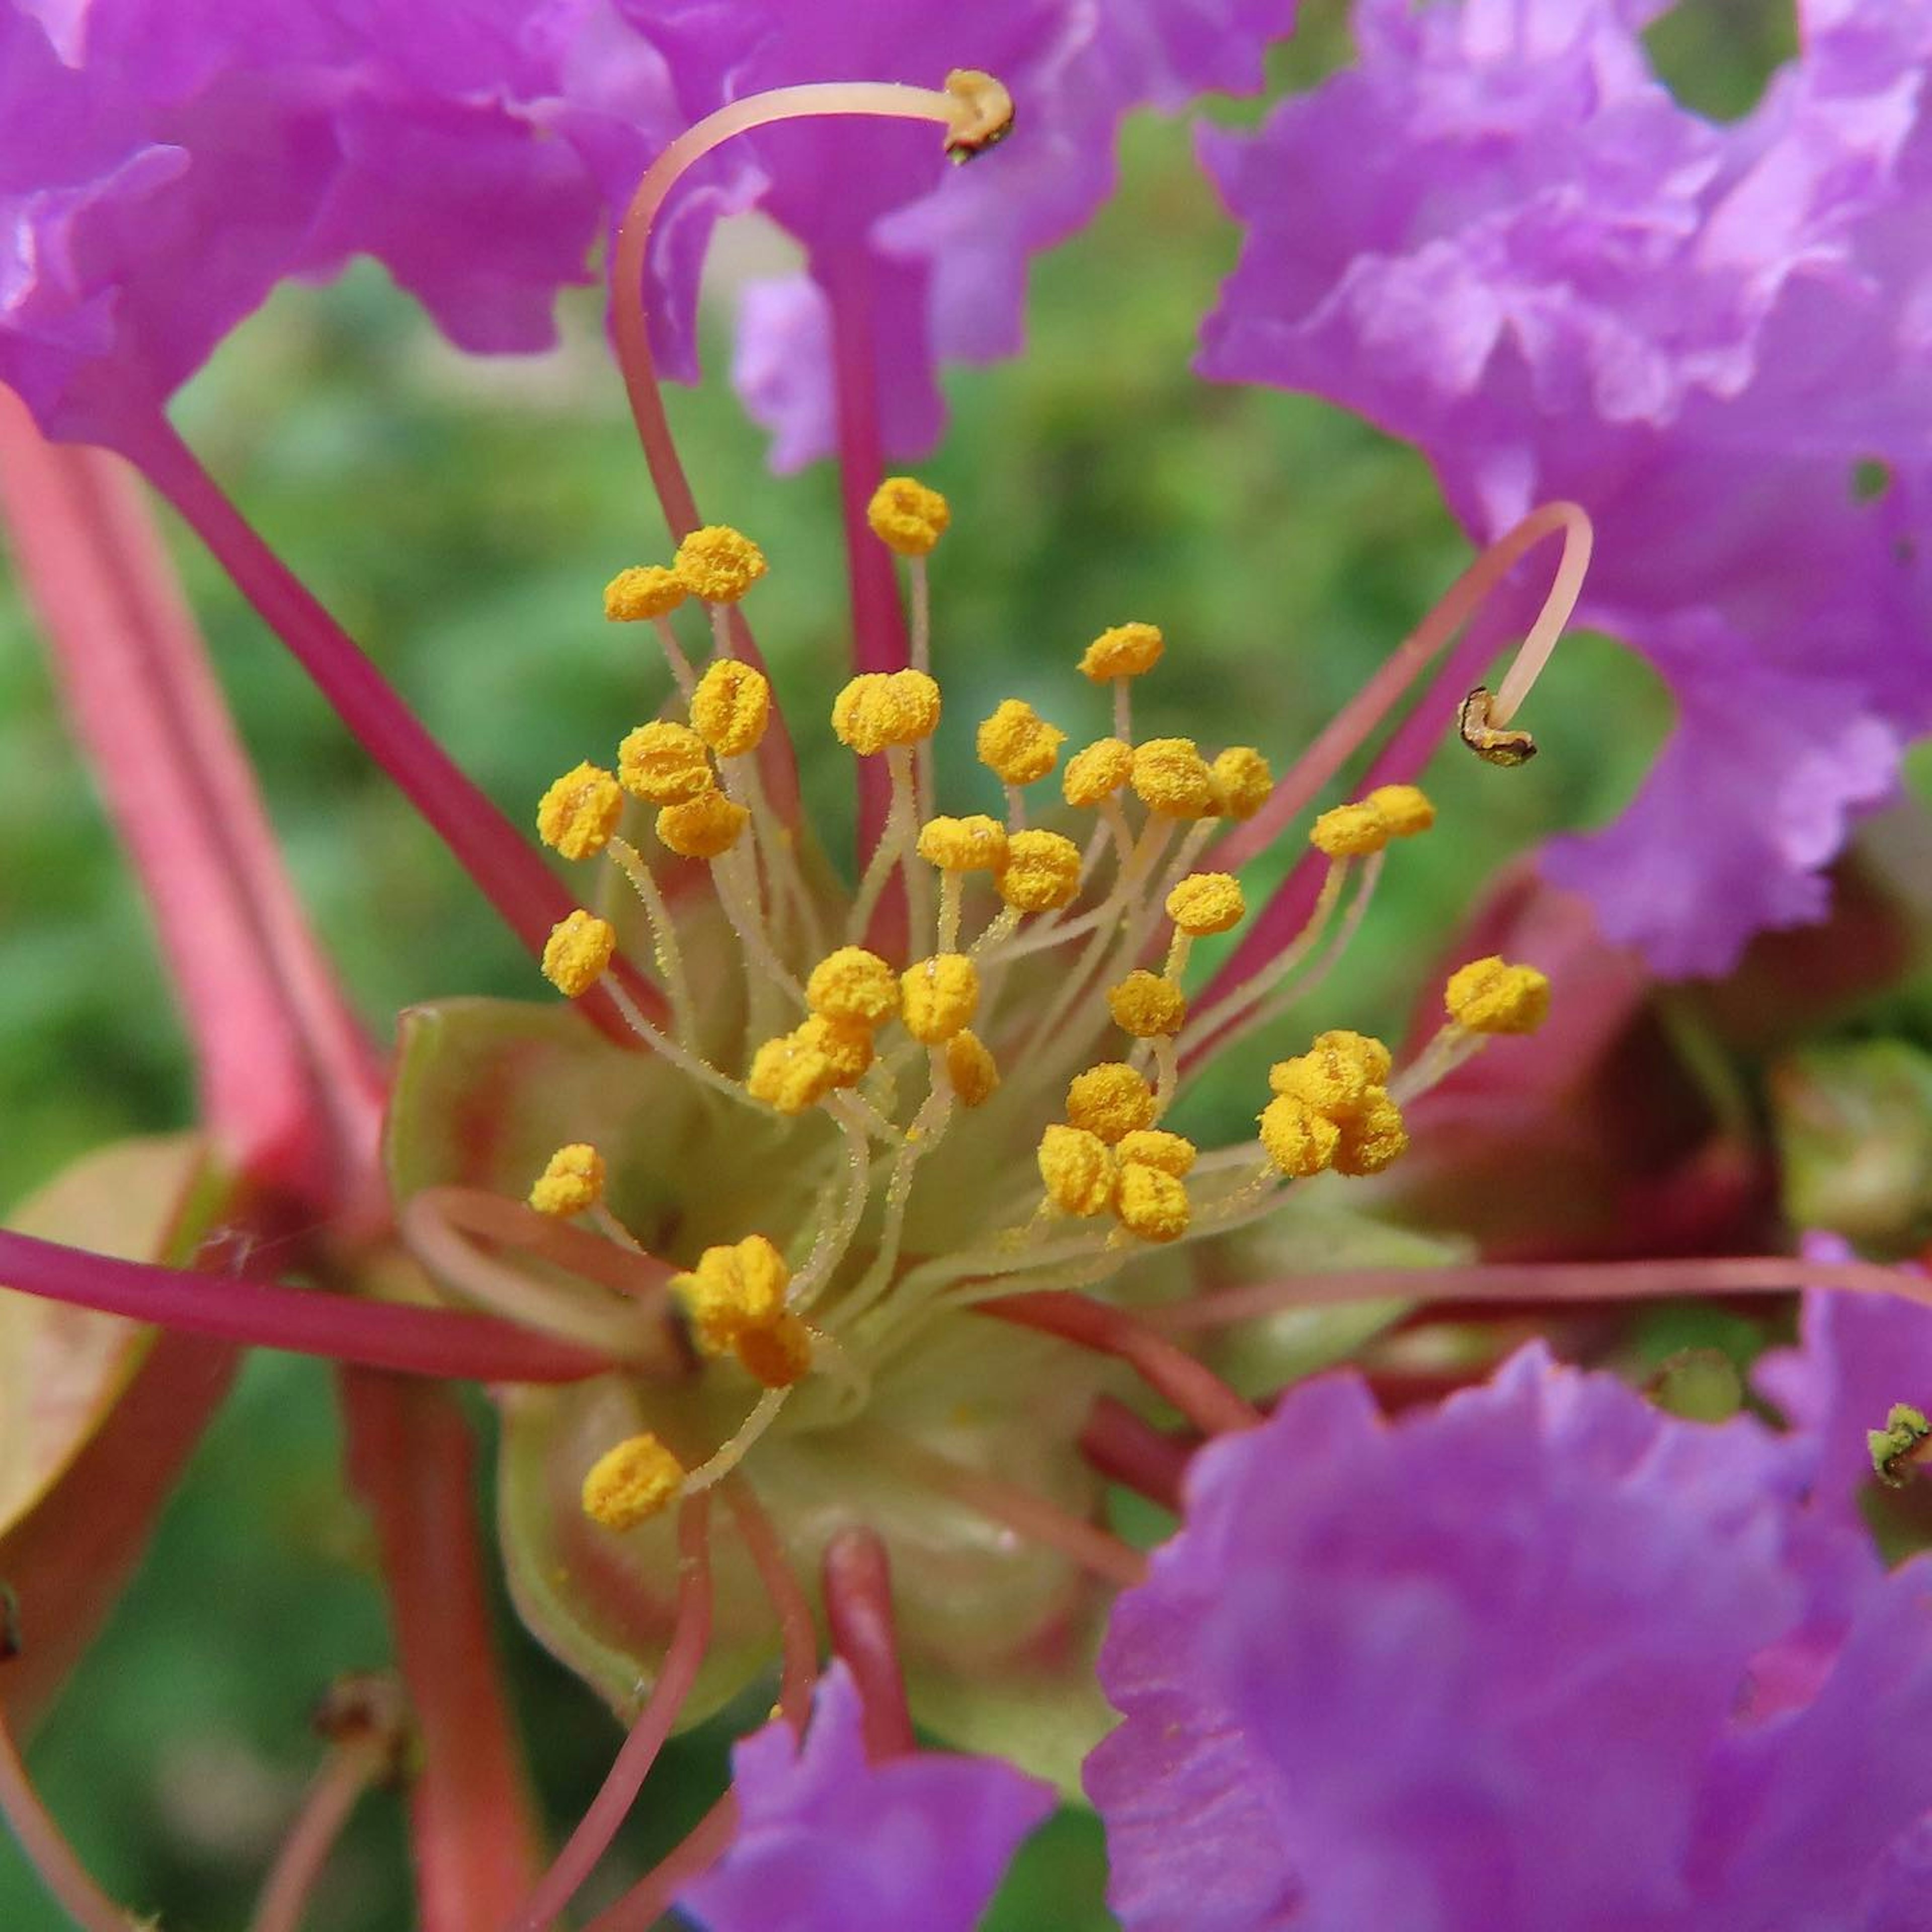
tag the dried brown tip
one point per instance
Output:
(1490, 744)
(367, 1711)
(982, 113)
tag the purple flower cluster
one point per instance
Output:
(1499, 236)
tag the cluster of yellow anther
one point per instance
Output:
(1107, 1154)
(1332, 1108)
(735, 1300)
(1489, 996)
(572, 1180)
(669, 765)
(908, 516)
(1389, 811)
(716, 563)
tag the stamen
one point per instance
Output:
(798, 1640)
(665, 947)
(858, 1594)
(572, 1182)
(45, 1847)
(1133, 1452)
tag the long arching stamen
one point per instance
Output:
(798, 1641)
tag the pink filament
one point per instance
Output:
(798, 1639)
(858, 1587)
(1125, 1449)
(47, 1848)
(332, 1797)
(653, 1896)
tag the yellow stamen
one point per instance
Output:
(734, 1289)
(719, 564)
(852, 984)
(1042, 871)
(1098, 772)
(1487, 996)
(878, 709)
(1128, 650)
(1406, 808)
(1371, 1139)
(1147, 1006)
(1150, 1147)
(576, 952)
(1336, 1076)
(571, 1182)
(1299, 1140)
(1018, 744)
(632, 1483)
(1151, 1204)
(939, 996)
(1350, 832)
(790, 1075)
(1242, 782)
(970, 1068)
(977, 844)
(846, 1044)
(1110, 1101)
(730, 707)
(1171, 777)
(579, 813)
(778, 1356)
(907, 516)
(664, 763)
(704, 827)
(1077, 1169)
(646, 590)
(1205, 902)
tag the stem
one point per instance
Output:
(413, 1460)
(858, 1588)
(331, 1799)
(798, 1640)
(691, 1633)
(305, 1321)
(45, 1848)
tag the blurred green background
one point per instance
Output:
(461, 517)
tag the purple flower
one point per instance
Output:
(1501, 238)
(1541, 1656)
(829, 1842)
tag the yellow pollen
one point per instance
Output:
(1205, 902)
(646, 590)
(1406, 808)
(974, 844)
(1171, 1153)
(881, 708)
(733, 1290)
(1151, 1204)
(778, 1356)
(719, 564)
(907, 516)
(576, 952)
(852, 984)
(1242, 782)
(1172, 777)
(790, 1075)
(1018, 744)
(846, 1044)
(1299, 1140)
(970, 1068)
(632, 1483)
(1098, 772)
(704, 827)
(1337, 1076)
(1350, 832)
(1147, 1006)
(730, 707)
(1110, 1101)
(1127, 650)
(572, 1180)
(1371, 1139)
(664, 763)
(578, 814)
(1374, 1058)
(1487, 996)
(1077, 1169)
(939, 996)
(1042, 871)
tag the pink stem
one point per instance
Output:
(1544, 1281)
(690, 1635)
(332, 1797)
(1126, 1449)
(412, 1459)
(653, 1896)
(1200, 1394)
(46, 1850)
(798, 1639)
(305, 1321)
(858, 1587)
(512, 876)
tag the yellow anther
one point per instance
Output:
(1126, 651)
(730, 707)
(1151, 1204)
(1172, 1154)
(790, 1075)
(1111, 1100)
(778, 1356)
(982, 113)
(704, 827)
(1299, 1140)
(1042, 871)
(1407, 808)
(881, 708)
(1018, 744)
(1371, 1139)
(1147, 1006)
(907, 516)
(1338, 1075)
(1172, 777)
(632, 1483)
(1242, 782)
(1349, 832)
(1078, 1171)
(578, 814)
(733, 1290)
(646, 590)
(846, 1044)
(576, 952)
(664, 763)
(970, 1068)
(1487, 996)
(719, 564)
(1205, 902)
(974, 844)
(852, 984)
(1098, 772)
(572, 1180)
(938, 996)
